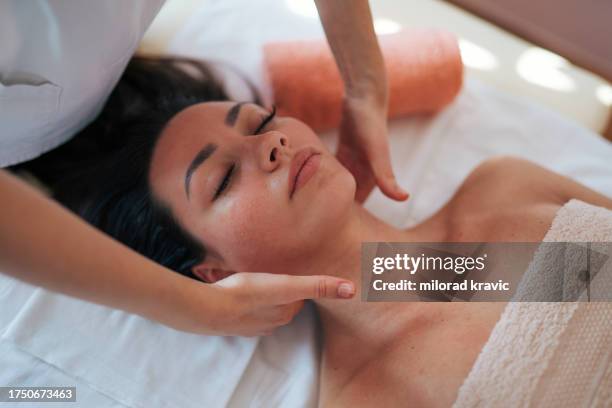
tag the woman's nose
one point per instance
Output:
(273, 150)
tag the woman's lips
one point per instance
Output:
(303, 166)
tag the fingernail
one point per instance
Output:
(346, 290)
(401, 190)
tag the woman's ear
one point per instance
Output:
(209, 273)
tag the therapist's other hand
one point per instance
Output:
(363, 148)
(254, 304)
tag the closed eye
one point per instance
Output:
(230, 172)
(225, 182)
(265, 121)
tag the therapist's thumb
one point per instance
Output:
(380, 162)
(317, 287)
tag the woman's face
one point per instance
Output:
(225, 171)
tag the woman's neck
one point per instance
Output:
(372, 322)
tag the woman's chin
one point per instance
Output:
(328, 205)
(332, 183)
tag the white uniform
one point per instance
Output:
(59, 61)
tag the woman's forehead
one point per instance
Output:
(194, 125)
(186, 133)
(206, 113)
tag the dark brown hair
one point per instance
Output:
(102, 173)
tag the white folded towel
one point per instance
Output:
(556, 354)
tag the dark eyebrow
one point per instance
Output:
(232, 114)
(199, 158)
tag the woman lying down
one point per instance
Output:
(206, 186)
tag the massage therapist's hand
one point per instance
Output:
(363, 147)
(254, 304)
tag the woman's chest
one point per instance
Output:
(366, 388)
(418, 371)
(396, 380)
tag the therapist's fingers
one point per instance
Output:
(273, 317)
(380, 161)
(275, 289)
(285, 313)
(255, 303)
(363, 135)
(359, 167)
(294, 288)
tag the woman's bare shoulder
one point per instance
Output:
(508, 181)
(507, 198)
(532, 183)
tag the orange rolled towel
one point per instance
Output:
(424, 73)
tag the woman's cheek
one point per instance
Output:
(253, 233)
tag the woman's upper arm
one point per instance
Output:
(573, 189)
